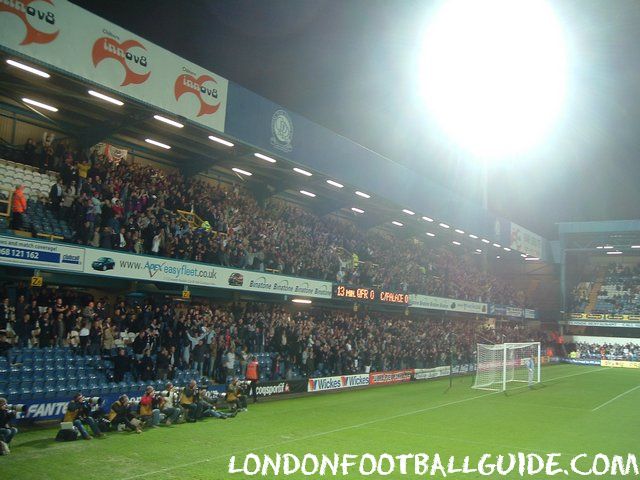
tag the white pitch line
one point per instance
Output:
(615, 398)
(336, 430)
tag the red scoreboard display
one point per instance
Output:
(365, 294)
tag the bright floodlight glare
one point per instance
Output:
(493, 73)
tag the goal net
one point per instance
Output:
(499, 365)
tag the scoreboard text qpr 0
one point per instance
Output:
(365, 294)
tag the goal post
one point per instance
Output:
(499, 365)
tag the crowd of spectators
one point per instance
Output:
(610, 351)
(618, 291)
(152, 339)
(132, 207)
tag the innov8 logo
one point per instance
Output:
(131, 54)
(204, 87)
(35, 19)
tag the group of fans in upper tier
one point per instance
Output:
(132, 207)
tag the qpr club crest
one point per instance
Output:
(282, 131)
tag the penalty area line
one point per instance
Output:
(337, 430)
(615, 398)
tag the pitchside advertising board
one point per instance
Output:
(427, 373)
(394, 376)
(337, 383)
(278, 388)
(106, 263)
(49, 30)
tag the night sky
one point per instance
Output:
(351, 65)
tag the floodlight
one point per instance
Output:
(493, 73)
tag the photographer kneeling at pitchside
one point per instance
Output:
(79, 412)
(235, 398)
(120, 414)
(7, 432)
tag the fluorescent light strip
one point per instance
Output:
(222, 141)
(362, 194)
(497, 256)
(302, 172)
(484, 240)
(408, 212)
(357, 210)
(168, 121)
(457, 230)
(335, 184)
(106, 98)
(27, 68)
(308, 194)
(478, 250)
(264, 157)
(156, 143)
(471, 235)
(532, 259)
(523, 255)
(455, 242)
(635, 246)
(599, 247)
(607, 247)
(427, 219)
(39, 104)
(506, 249)
(497, 245)
(614, 253)
(431, 234)
(443, 225)
(301, 300)
(398, 224)
(242, 172)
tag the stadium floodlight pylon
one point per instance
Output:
(499, 365)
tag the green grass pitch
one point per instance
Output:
(568, 413)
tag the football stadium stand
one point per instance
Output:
(142, 209)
